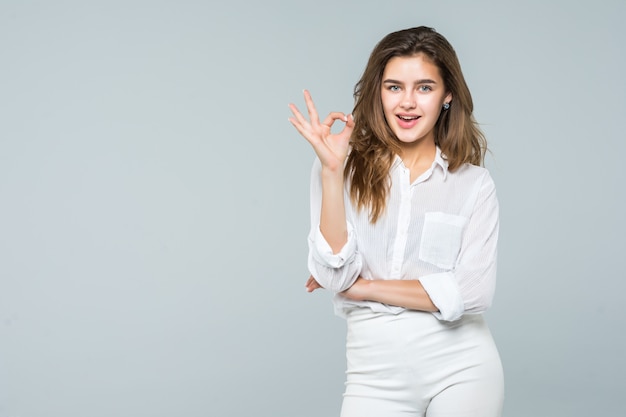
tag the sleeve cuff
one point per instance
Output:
(323, 254)
(445, 293)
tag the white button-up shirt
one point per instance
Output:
(442, 230)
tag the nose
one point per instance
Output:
(408, 101)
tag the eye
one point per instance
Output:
(425, 88)
(394, 88)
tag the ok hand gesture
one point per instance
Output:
(331, 149)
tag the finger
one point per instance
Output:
(348, 128)
(311, 288)
(350, 120)
(300, 123)
(311, 108)
(313, 282)
(297, 115)
(301, 129)
(309, 281)
(310, 284)
(336, 115)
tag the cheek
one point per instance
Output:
(384, 100)
(435, 106)
(389, 104)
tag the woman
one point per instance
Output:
(404, 227)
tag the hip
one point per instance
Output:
(417, 343)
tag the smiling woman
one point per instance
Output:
(404, 228)
(413, 95)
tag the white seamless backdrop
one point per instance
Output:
(154, 200)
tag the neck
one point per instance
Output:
(418, 157)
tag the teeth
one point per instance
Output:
(408, 118)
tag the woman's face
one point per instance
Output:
(412, 95)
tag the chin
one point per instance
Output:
(407, 139)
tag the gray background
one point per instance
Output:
(154, 200)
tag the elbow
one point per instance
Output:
(480, 301)
(478, 307)
(478, 289)
(337, 280)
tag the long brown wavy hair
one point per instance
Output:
(373, 143)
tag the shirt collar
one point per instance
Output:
(440, 160)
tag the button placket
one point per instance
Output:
(404, 217)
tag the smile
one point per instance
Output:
(406, 121)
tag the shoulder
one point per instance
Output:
(469, 172)
(469, 169)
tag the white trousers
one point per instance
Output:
(413, 365)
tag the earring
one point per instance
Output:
(446, 106)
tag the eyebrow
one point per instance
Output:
(423, 81)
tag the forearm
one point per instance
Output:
(409, 294)
(333, 258)
(333, 212)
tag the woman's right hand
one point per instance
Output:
(331, 149)
(312, 284)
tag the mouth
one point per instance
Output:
(407, 121)
(407, 118)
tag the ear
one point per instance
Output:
(448, 98)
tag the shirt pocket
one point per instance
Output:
(441, 239)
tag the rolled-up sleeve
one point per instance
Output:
(335, 272)
(469, 287)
